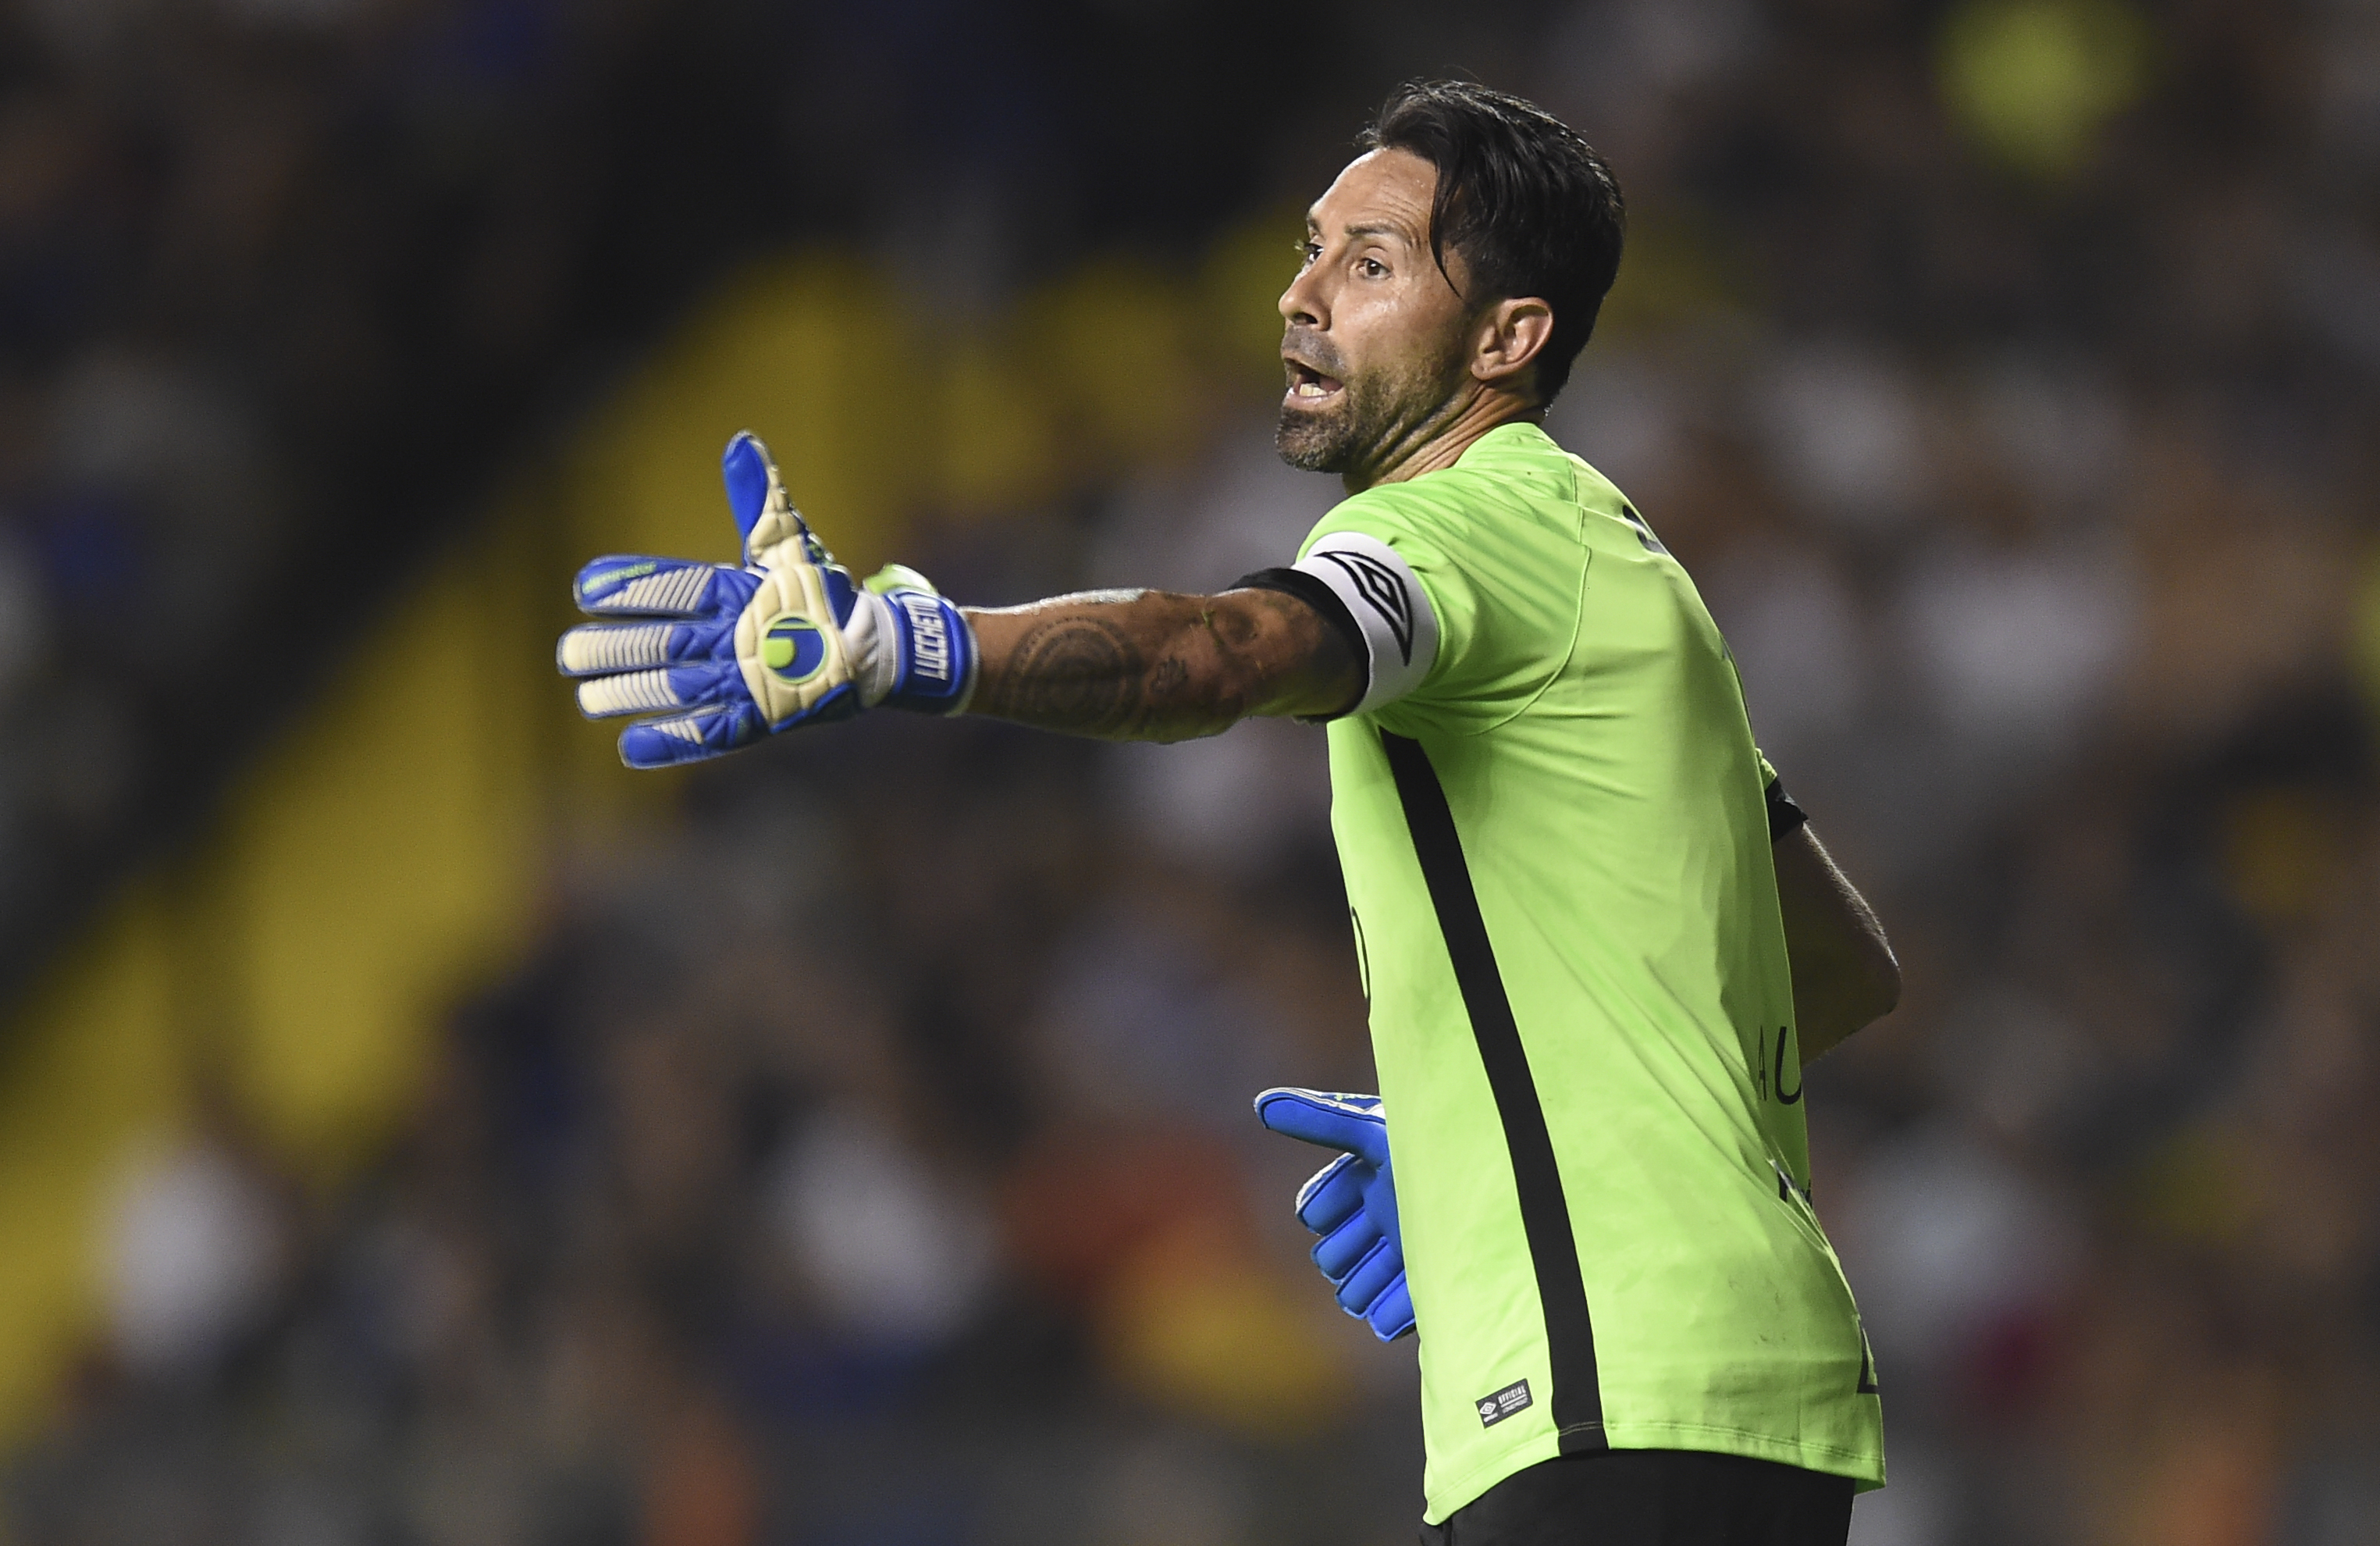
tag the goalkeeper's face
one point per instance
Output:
(1376, 343)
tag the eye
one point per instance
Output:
(1307, 251)
(1372, 268)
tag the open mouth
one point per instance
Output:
(1308, 385)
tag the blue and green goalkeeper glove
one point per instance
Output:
(1351, 1203)
(723, 656)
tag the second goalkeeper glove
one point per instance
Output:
(1351, 1203)
(723, 656)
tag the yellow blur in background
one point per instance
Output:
(2034, 82)
(387, 855)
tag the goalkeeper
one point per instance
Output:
(1555, 831)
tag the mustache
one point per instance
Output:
(1313, 351)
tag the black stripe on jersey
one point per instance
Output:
(1577, 1399)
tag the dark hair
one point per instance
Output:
(1528, 203)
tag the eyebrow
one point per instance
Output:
(1372, 229)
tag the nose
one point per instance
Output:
(1302, 303)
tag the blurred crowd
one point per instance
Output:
(262, 286)
(283, 284)
(871, 1160)
(865, 1154)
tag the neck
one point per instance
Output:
(1439, 442)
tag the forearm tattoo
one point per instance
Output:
(1079, 673)
(1145, 665)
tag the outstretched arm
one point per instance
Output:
(718, 656)
(1151, 666)
(1844, 974)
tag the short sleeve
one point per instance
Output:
(1479, 633)
(1416, 605)
(1786, 816)
(1384, 603)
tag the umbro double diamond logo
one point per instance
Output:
(1495, 1408)
(1382, 591)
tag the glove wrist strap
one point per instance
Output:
(923, 657)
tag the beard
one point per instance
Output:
(1372, 413)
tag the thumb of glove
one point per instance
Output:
(745, 468)
(765, 518)
(1355, 1123)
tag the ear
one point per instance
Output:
(1506, 341)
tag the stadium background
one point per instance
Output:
(414, 1128)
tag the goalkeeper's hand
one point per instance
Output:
(1351, 1203)
(723, 656)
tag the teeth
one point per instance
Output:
(1311, 389)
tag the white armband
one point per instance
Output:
(1388, 606)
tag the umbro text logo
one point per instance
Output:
(1382, 591)
(1495, 1408)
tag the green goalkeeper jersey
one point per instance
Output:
(1550, 815)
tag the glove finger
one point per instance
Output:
(602, 648)
(1353, 1123)
(634, 586)
(1335, 1194)
(1391, 1315)
(644, 692)
(662, 742)
(1370, 1280)
(1338, 1252)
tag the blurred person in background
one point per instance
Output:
(1597, 938)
